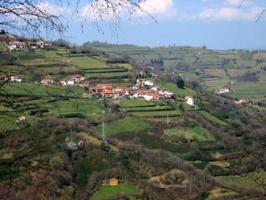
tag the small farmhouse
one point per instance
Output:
(77, 78)
(148, 83)
(15, 79)
(105, 90)
(190, 100)
(154, 75)
(3, 78)
(223, 91)
(67, 82)
(47, 82)
(241, 101)
(110, 182)
(140, 72)
(20, 119)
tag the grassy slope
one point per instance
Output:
(87, 62)
(212, 118)
(86, 107)
(250, 89)
(107, 192)
(245, 182)
(36, 89)
(127, 103)
(127, 124)
(173, 88)
(196, 133)
(169, 113)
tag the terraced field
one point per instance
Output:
(249, 181)
(196, 133)
(107, 192)
(81, 108)
(178, 91)
(128, 124)
(36, 89)
(144, 109)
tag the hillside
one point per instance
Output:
(238, 70)
(73, 126)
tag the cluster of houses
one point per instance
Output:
(141, 89)
(141, 73)
(11, 78)
(27, 44)
(16, 43)
(73, 80)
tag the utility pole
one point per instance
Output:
(167, 120)
(103, 133)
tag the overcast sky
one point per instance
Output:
(218, 24)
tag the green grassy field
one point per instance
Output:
(212, 118)
(95, 140)
(260, 56)
(36, 89)
(87, 62)
(159, 114)
(173, 88)
(196, 133)
(250, 90)
(221, 193)
(149, 109)
(78, 107)
(114, 75)
(108, 192)
(126, 125)
(247, 181)
(107, 70)
(129, 103)
(8, 122)
(215, 83)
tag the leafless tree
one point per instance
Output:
(32, 17)
(35, 16)
(26, 16)
(259, 15)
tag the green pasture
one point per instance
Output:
(7, 122)
(83, 108)
(178, 91)
(157, 114)
(215, 83)
(260, 56)
(221, 193)
(249, 181)
(136, 102)
(212, 118)
(108, 192)
(86, 62)
(128, 124)
(114, 75)
(36, 89)
(197, 133)
(148, 109)
(249, 90)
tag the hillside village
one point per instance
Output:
(132, 100)
(98, 125)
(18, 43)
(141, 89)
